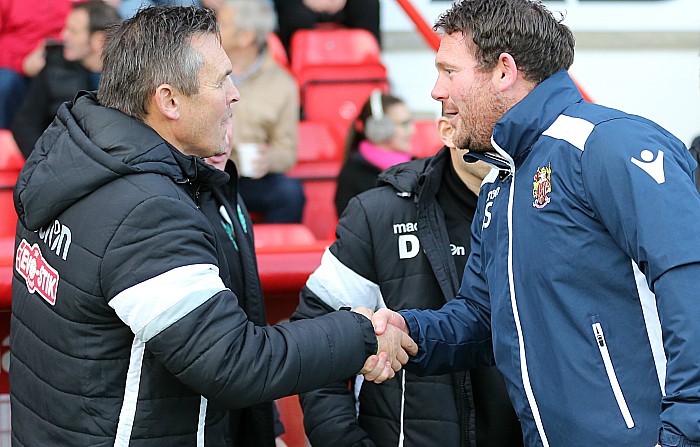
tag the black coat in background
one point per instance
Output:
(56, 83)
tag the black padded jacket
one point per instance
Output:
(392, 249)
(122, 331)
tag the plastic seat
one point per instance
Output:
(11, 162)
(337, 69)
(426, 139)
(282, 235)
(333, 47)
(318, 154)
(276, 49)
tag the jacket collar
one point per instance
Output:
(88, 146)
(516, 132)
(410, 178)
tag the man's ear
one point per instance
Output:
(167, 101)
(446, 130)
(505, 72)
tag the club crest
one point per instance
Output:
(542, 186)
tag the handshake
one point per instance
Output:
(394, 345)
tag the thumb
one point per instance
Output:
(380, 320)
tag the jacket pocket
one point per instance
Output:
(612, 377)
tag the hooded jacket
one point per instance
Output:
(392, 249)
(593, 212)
(122, 331)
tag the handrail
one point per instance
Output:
(433, 40)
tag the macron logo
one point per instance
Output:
(653, 167)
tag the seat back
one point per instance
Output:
(276, 49)
(318, 154)
(337, 69)
(11, 162)
(333, 47)
(426, 139)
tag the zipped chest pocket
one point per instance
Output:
(612, 377)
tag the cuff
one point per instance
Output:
(670, 439)
(371, 346)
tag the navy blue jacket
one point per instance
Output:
(584, 275)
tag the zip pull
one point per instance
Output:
(598, 331)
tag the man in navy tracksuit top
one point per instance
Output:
(585, 265)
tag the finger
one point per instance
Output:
(379, 320)
(386, 373)
(370, 364)
(396, 365)
(402, 357)
(378, 369)
(409, 345)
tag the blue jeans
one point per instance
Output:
(278, 197)
(13, 87)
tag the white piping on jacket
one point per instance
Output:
(653, 325)
(516, 316)
(131, 395)
(403, 404)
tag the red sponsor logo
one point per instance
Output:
(38, 274)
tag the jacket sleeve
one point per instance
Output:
(161, 277)
(329, 412)
(638, 181)
(457, 336)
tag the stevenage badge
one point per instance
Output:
(542, 186)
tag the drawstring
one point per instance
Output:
(403, 402)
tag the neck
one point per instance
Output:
(469, 178)
(243, 58)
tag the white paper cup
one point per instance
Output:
(248, 153)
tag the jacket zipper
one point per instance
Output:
(612, 377)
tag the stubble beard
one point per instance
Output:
(478, 120)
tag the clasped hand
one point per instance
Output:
(394, 345)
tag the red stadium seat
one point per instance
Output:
(337, 69)
(319, 158)
(11, 162)
(318, 154)
(276, 49)
(426, 140)
(282, 234)
(293, 421)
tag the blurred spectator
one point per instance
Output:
(267, 115)
(258, 425)
(127, 8)
(371, 265)
(379, 138)
(24, 27)
(71, 67)
(294, 15)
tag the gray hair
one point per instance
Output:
(149, 49)
(539, 43)
(253, 15)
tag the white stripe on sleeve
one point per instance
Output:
(153, 305)
(338, 285)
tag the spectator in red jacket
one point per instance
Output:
(24, 28)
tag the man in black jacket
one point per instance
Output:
(403, 245)
(73, 66)
(123, 333)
